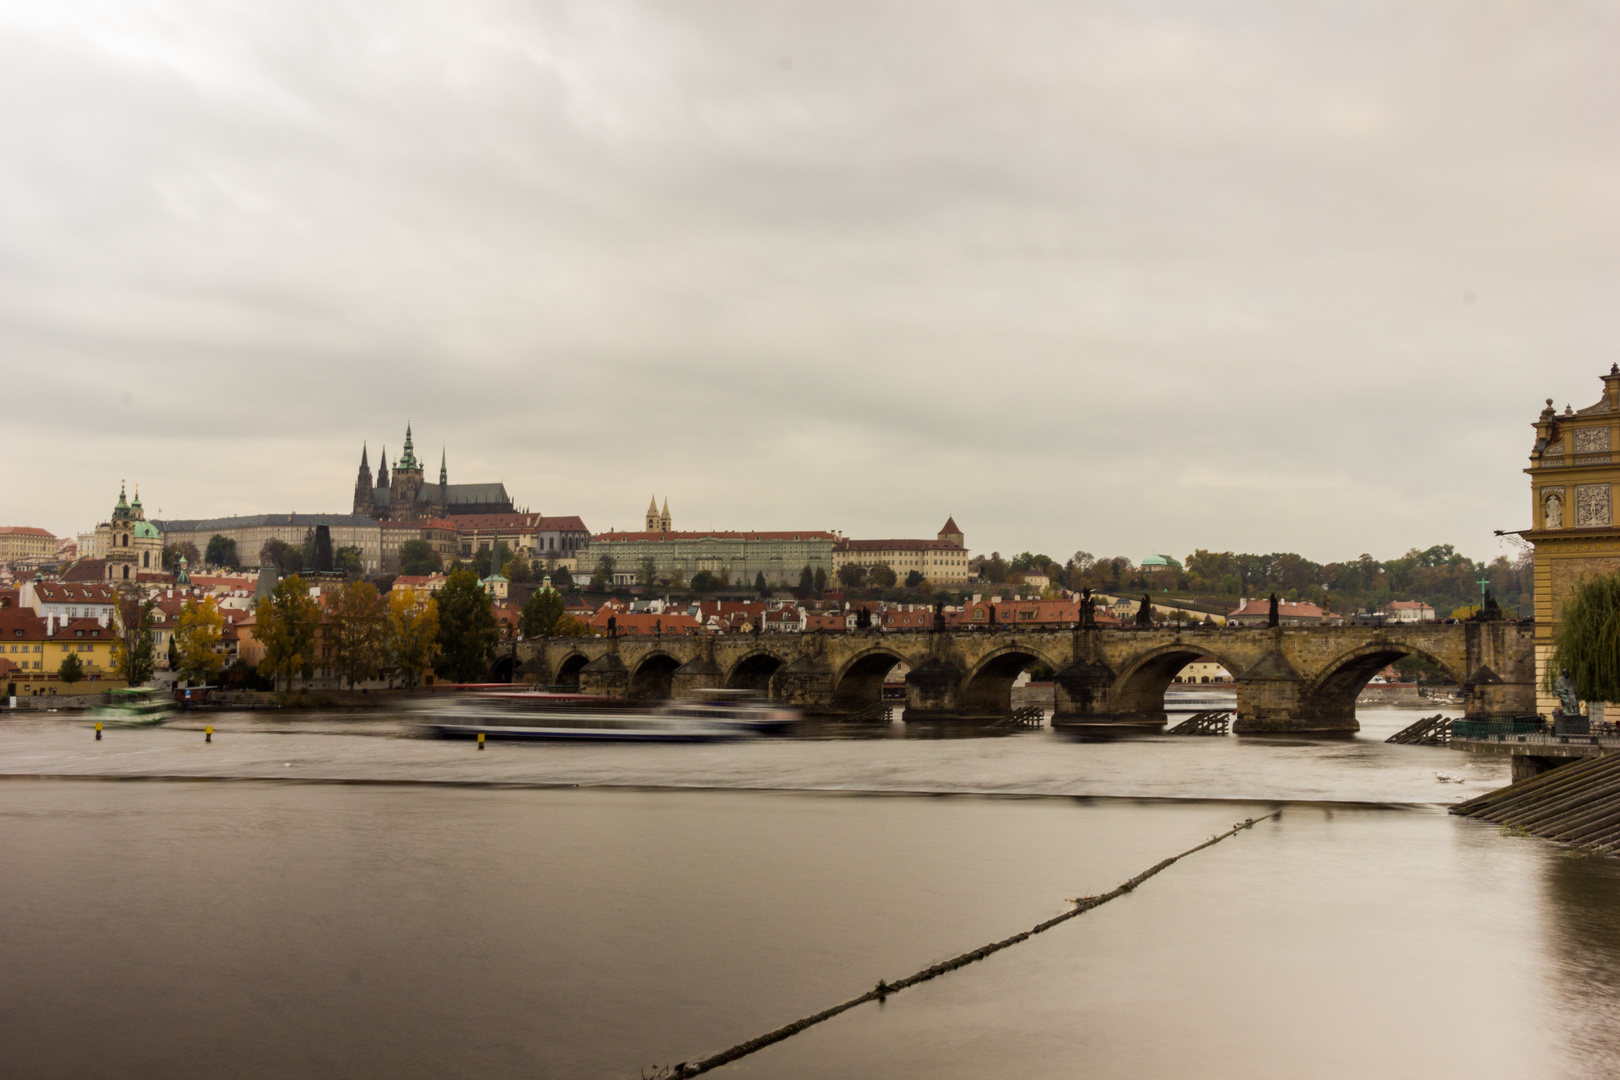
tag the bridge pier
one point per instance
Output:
(606, 675)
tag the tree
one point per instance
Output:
(881, 576)
(759, 584)
(519, 568)
(348, 560)
(602, 579)
(705, 581)
(197, 634)
(914, 579)
(287, 623)
(417, 558)
(568, 626)
(540, 613)
(356, 612)
(282, 555)
(221, 552)
(852, 575)
(466, 628)
(72, 669)
(132, 655)
(647, 572)
(561, 579)
(309, 551)
(807, 581)
(173, 552)
(481, 559)
(411, 634)
(821, 580)
(1587, 641)
(994, 569)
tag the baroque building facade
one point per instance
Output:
(1573, 474)
(403, 494)
(129, 543)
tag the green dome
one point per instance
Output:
(145, 529)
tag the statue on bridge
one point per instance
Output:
(1271, 616)
(1568, 703)
(1144, 614)
(1088, 609)
(939, 616)
(612, 626)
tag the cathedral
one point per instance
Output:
(401, 495)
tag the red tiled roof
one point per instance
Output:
(516, 522)
(951, 527)
(73, 628)
(1297, 609)
(86, 570)
(57, 592)
(24, 530)
(644, 622)
(14, 619)
(896, 545)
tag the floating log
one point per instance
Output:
(1430, 731)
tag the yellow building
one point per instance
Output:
(36, 648)
(1572, 477)
(25, 542)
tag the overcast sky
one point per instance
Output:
(1129, 278)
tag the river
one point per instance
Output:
(329, 896)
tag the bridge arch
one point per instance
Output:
(1139, 690)
(861, 677)
(987, 688)
(652, 676)
(568, 669)
(1333, 691)
(754, 671)
(503, 668)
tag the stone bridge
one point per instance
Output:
(1288, 679)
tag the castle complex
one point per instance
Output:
(404, 496)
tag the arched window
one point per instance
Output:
(126, 540)
(146, 559)
(126, 573)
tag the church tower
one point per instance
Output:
(663, 519)
(653, 520)
(407, 486)
(362, 485)
(382, 469)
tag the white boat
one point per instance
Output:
(744, 710)
(577, 717)
(139, 706)
(1200, 700)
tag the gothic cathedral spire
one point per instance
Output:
(363, 500)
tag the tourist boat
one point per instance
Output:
(140, 706)
(1201, 700)
(744, 710)
(576, 717)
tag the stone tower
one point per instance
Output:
(362, 485)
(407, 483)
(663, 519)
(951, 534)
(652, 515)
(382, 468)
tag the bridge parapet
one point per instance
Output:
(1289, 680)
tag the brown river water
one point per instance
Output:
(327, 895)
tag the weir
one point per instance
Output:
(1289, 680)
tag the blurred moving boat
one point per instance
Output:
(1200, 700)
(139, 706)
(579, 717)
(745, 710)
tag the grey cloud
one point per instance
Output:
(1111, 276)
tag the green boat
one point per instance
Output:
(140, 706)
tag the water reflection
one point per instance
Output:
(1583, 925)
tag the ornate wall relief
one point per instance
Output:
(1592, 441)
(1552, 508)
(1592, 505)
